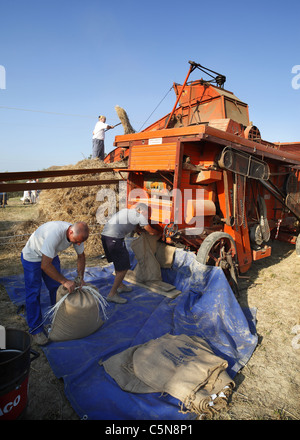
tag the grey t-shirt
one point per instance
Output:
(123, 222)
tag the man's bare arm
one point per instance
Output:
(151, 230)
(53, 273)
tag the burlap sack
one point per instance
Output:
(120, 368)
(151, 256)
(147, 268)
(188, 370)
(182, 366)
(78, 316)
(165, 254)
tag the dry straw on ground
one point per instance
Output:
(75, 204)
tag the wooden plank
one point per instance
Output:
(154, 286)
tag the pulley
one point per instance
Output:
(244, 164)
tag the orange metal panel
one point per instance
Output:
(293, 147)
(203, 130)
(240, 234)
(200, 207)
(153, 157)
(194, 92)
(161, 210)
(262, 253)
(182, 131)
(206, 176)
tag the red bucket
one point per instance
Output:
(15, 362)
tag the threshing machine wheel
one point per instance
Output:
(170, 229)
(218, 249)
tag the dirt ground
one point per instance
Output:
(267, 388)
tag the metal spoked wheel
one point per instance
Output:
(218, 249)
(170, 229)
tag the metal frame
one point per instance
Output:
(22, 175)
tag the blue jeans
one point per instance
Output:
(33, 276)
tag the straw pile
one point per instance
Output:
(124, 120)
(75, 204)
(78, 204)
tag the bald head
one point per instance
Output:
(78, 232)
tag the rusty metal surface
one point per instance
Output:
(32, 175)
(11, 187)
(22, 175)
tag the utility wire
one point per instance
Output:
(42, 111)
(156, 107)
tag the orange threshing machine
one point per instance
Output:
(214, 186)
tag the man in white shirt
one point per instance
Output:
(99, 136)
(41, 262)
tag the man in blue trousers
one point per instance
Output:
(41, 262)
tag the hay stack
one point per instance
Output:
(124, 120)
(79, 203)
(75, 204)
(19, 234)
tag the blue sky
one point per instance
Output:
(69, 61)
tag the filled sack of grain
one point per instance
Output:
(78, 314)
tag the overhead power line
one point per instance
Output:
(49, 113)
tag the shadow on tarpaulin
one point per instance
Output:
(206, 308)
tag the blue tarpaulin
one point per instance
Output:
(206, 308)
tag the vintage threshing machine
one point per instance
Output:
(214, 186)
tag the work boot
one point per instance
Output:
(124, 289)
(116, 299)
(40, 339)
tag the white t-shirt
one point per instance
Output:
(49, 239)
(99, 130)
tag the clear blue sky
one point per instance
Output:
(81, 58)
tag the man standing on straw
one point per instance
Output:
(99, 136)
(40, 262)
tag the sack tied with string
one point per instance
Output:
(77, 314)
